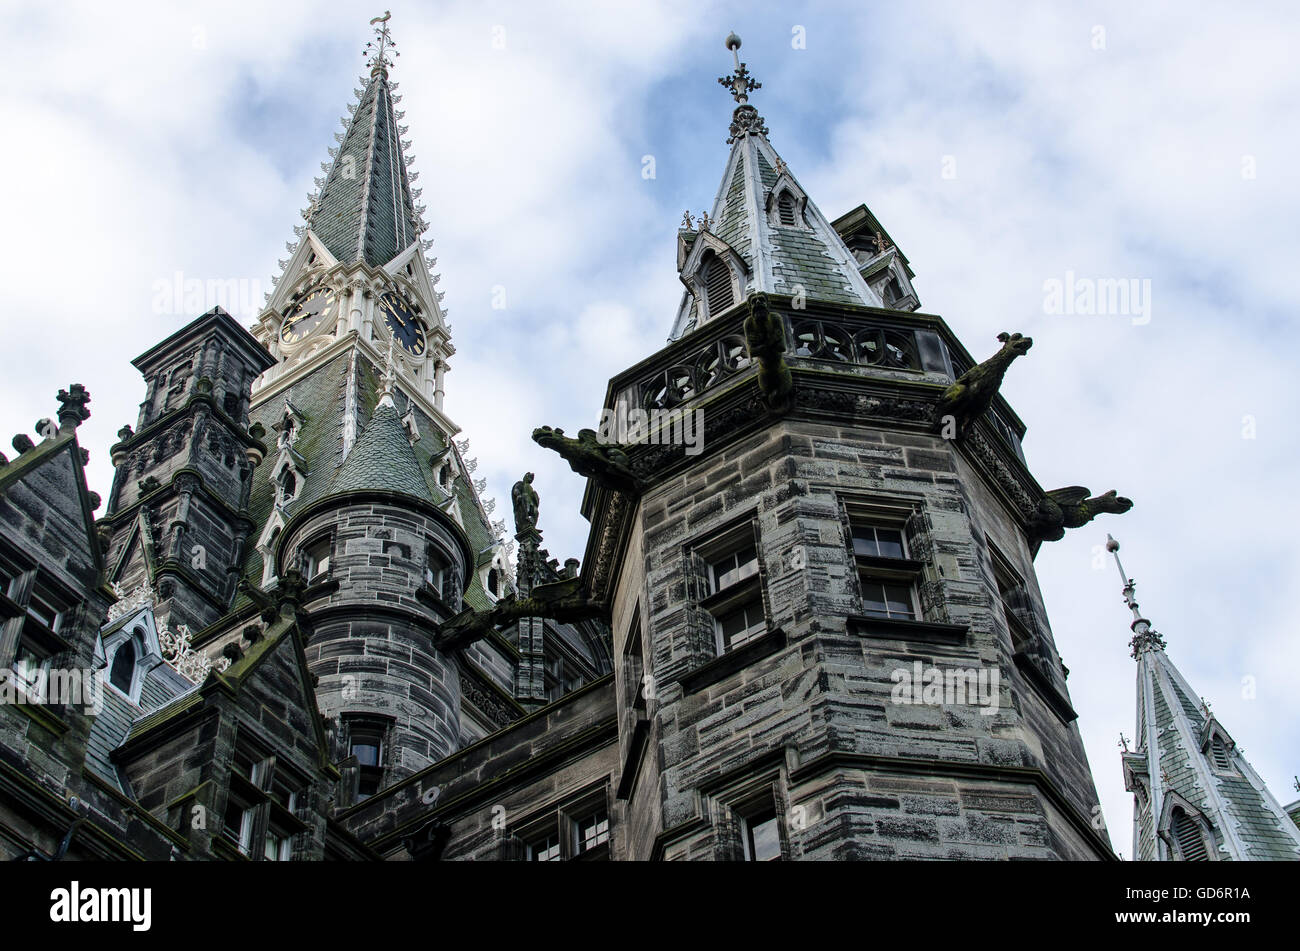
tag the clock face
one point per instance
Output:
(310, 311)
(403, 323)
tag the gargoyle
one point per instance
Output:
(1071, 508)
(603, 462)
(563, 601)
(972, 394)
(765, 337)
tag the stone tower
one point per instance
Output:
(177, 517)
(817, 542)
(1195, 798)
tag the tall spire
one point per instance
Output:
(365, 209)
(770, 236)
(1145, 637)
(1195, 795)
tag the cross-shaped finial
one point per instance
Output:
(688, 221)
(379, 48)
(1205, 708)
(1123, 741)
(882, 243)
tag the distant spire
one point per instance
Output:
(745, 120)
(1145, 637)
(377, 50)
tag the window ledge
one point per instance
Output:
(879, 563)
(597, 853)
(891, 629)
(1044, 687)
(725, 665)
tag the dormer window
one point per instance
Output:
(288, 485)
(1188, 837)
(494, 583)
(786, 211)
(716, 278)
(122, 672)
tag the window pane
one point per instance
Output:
(764, 838)
(864, 541)
(873, 598)
(366, 752)
(593, 830)
(546, 850)
(890, 542)
(899, 599)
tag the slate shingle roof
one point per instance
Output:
(382, 459)
(365, 210)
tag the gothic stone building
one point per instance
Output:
(295, 631)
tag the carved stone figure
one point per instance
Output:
(562, 601)
(765, 337)
(605, 463)
(1070, 507)
(526, 502)
(972, 394)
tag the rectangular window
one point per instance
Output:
(729, 586)
(761, 833)
(545, 849)
(366, 741)
(888, 573)
(593, 830)
(316, 559)
(634, 668)
(31, 669)
(43, 610)
(238, 825)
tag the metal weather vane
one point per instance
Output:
(378, 49)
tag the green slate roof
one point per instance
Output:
(1171, 726)
(365, 209)
(779, 259)
(383, 459)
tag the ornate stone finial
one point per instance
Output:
(73, 412)
(377, 50)
(526, 503)
(1205, 707)
(389, 379)
(781, 167)
(745, 120)
(705, 222)
(688, 221)
(1145, 637)
(882, 243)
(1123, 742)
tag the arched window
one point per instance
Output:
(1188, 836)
(123, 671)
(786, 210)
(716, 277)
(288, 484)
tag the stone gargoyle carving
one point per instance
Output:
(765, 337)
(970, 397)
(562, 601)
(602, 462)
(1071, 507)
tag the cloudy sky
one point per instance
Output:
(1003, 147)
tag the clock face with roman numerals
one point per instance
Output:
(403, 323)
(307, 313)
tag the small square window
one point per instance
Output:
(887, 599)
(878, 541)
(44, 611)
(733, 568)
(31, 671)
(593, 830)
(545, 849)
(740, 625)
